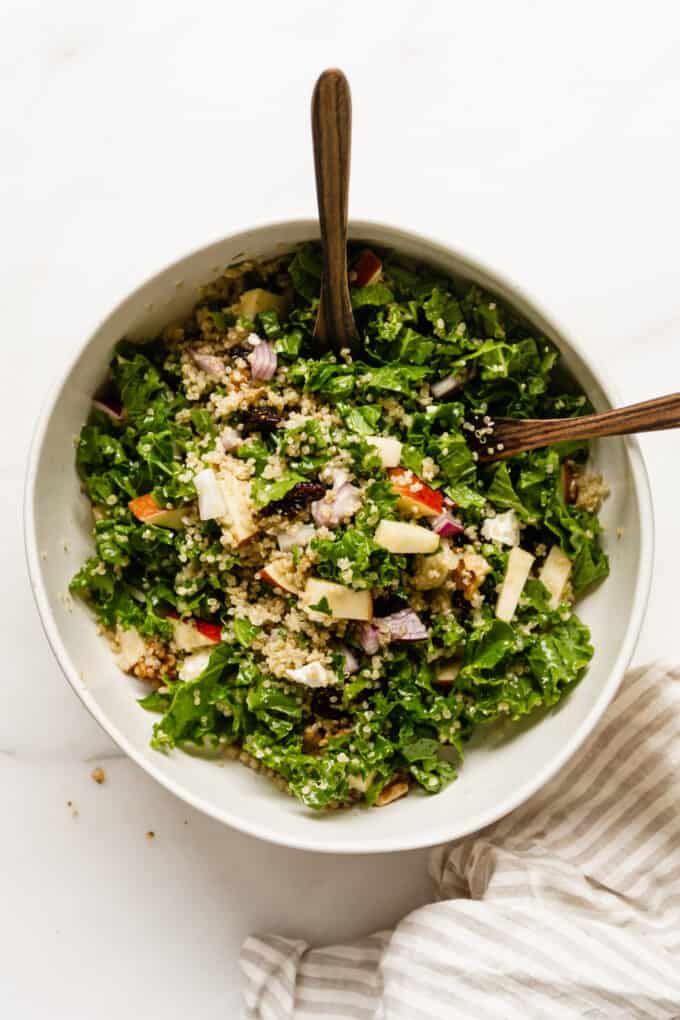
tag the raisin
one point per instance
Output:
(192, 331)
(261, 419)
(240, 352)
(323, 707)
(298, 498)
(385, 605)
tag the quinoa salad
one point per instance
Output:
(301, 554)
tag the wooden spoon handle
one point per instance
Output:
(649, 416)
(332, 133)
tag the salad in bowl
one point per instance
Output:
(301, 554)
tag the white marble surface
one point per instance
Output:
(544, 138)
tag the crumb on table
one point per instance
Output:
(150, 835)
(98, 775)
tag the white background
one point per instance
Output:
(542, 137)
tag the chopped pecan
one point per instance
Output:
(470, 573)
(395, 789)
(569, 481)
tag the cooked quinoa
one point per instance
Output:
(301, 555)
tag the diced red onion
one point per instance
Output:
(208, 363)
(336, 505)
(449, 502)
(230, 439)
(300, 535)
(446, 525)
(450, 383)
(445, 386)
(368, 637)
(351, 662)
(112, 408)
(263, 361)
(405, 625)
(337, 477)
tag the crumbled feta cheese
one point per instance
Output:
(503, 528)
(311, 675)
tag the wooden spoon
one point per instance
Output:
(332, 133)
(500, 438)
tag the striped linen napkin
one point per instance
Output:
(568, 907)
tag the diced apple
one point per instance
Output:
(131, 647)
(252, 302)
(297, 534)
(503, 528)
(344, 603)
(516, 574)
(447, 672)
(211, 498)
(190, 634)
(211, 631)
(402, 537)
(314, 674)
(389, 449)
(415, 497)
(194, 664)
(360, 783)
(146, 509)
(432, 571)
(367, 269)
(238, 519)
(555, 573)
(277, 575)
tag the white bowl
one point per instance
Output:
(497, 775)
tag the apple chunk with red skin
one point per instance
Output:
(146, 509)
(210, 631)
(366, 270)
(415, 497)
(190, 633)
